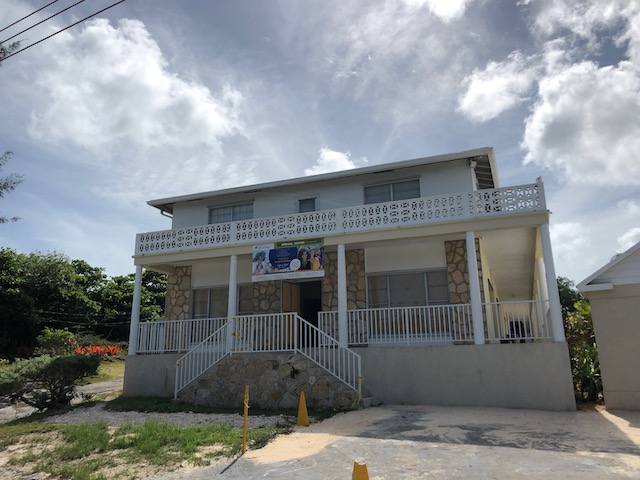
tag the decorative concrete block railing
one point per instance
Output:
(361, 218)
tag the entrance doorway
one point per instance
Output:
(304, 298)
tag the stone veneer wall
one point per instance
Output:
(275, 381)
(356, 284)
(267, 297)
(458, 274)
(178, 298)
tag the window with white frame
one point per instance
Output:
(388, 192)
(306, 205)
(410, 289)
(213, 302)
(231, 213)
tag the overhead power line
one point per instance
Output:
(60, 31)
(27, 16)
(42, 21)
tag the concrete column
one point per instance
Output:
(555, 310)
(343, 337)
(232, 305)
(135, 312)
(474, 290)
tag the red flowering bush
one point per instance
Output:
(103, 351)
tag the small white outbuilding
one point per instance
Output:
(614, 294)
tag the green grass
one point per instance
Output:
(109, 370)
(82, 452)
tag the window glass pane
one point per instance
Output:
(377, 194)
(242, 212)
(231, 213)
(378, 295)
(200, 304)
(406, 290)
(438, 289)
(404, 190)
(245, 299)
(307, 205)
(220, 215)
(219, 299)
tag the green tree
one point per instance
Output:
(7, 49)
(583, 353)
(8, 183)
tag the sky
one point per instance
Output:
(156, 98)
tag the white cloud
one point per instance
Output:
(500, 86)
(569, 240)
(447, 10)
(332, 161)
(584, 124)
(629, 238)
(110, 84)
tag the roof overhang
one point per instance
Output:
(483, 158)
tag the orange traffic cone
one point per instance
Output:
(303, 417)
(360, 471)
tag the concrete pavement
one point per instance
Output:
(411, 442)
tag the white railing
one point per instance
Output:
(411, 212)
(270, 333)
(200, 359)
(164, 336)
(404, 325)
(517, 321)
(289, 332)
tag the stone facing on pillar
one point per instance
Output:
(275, 381)
(356, 285)
(458, 277)
(458, 270)
(178, 297)
(267, 297)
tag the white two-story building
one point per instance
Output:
(421, 281)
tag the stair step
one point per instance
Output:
(368, 402)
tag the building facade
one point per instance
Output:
(420, 281)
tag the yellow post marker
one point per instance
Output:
(303, 416)
(246, 414)
(360, 471)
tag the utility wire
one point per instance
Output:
(60, 31)
(27, 16)
(41, 21)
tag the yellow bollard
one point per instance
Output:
(246, 414)
(360, 471)
(303, 416)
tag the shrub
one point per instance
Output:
(46, 381)
(54, 341)
(102, 351)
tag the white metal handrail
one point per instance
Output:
(270, 333)
(404, 325)
(522, 320)
(410, 212)
(164, 336)
(200, 359)
(290, 332)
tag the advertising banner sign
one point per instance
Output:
(288, 260)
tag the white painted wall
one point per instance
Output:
(215, 272)
(436, 179)
(625, 272)
(421, 255)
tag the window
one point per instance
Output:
(388, 192)
(231, 213)
(408, 289)
(306, 205)
(213, 302)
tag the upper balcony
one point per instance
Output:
(362, 218)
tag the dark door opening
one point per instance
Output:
(310, 301)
